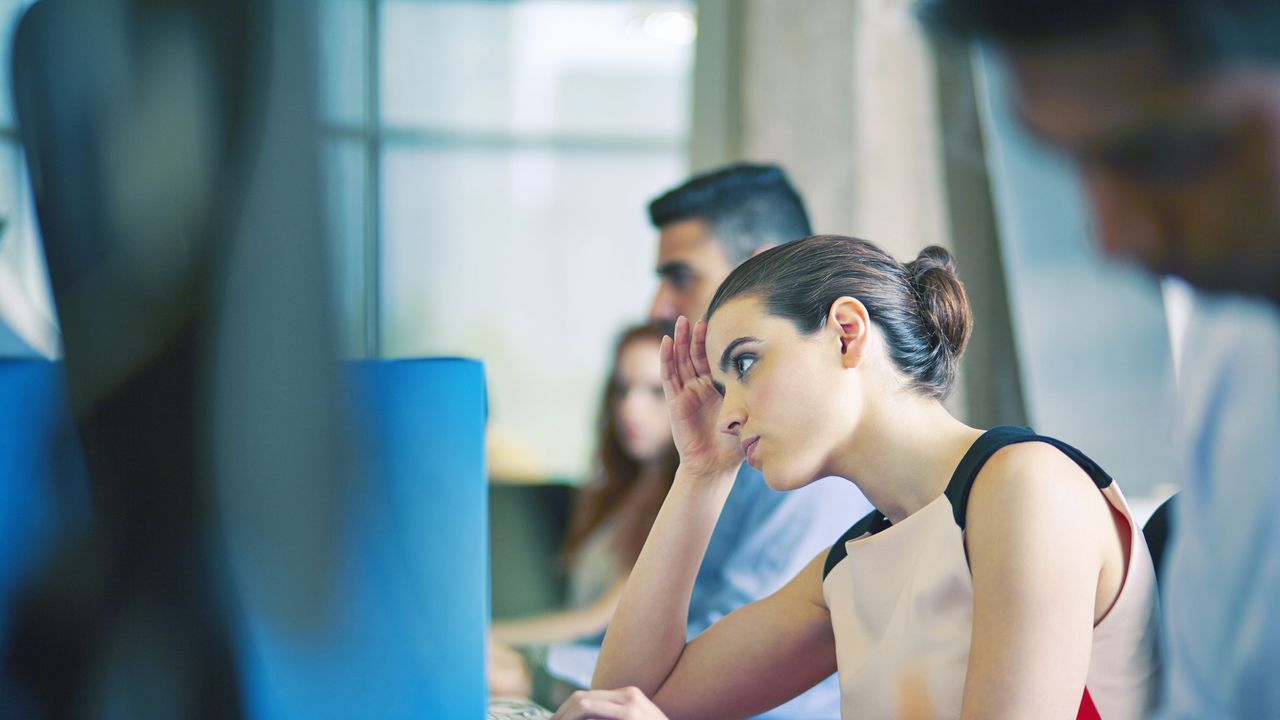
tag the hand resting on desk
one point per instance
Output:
(625, 704)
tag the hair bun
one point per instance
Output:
(943, 302)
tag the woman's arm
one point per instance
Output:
(647, 633)
(1045, 557)
(754, 659)
(561, 626)
(760, 655)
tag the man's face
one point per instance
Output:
(1182, 170)
(691, 265)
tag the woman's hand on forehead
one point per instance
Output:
(693, 402)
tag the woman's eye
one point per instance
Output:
(743, 363)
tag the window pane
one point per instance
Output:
(26, 303)
(10, 11)
(344, 204)
(606, 68)
(342, 60)
(530, 259)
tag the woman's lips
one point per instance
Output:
(749, 449)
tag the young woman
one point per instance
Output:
(635, 465)
(1001, 575)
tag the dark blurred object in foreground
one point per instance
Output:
(172, 154)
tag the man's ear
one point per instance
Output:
(762, 248)
(849, 320)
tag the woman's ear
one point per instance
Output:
(848, 318)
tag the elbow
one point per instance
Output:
(607, 677)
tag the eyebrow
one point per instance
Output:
(1093, 145)
(724, 356)
(673, 267)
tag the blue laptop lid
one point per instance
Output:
(405, 635)
(407, 638)
(39, 461)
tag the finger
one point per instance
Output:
(640, 705)
(700, 362)
(675, 354)
(620, 704)
(667, 358)
(590, 704)
(600, 708)
(684, 364)
(621, 696)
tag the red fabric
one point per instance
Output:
(1087, 709)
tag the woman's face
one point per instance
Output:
(643, 426)
(787, 396)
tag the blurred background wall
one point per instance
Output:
(487, 166)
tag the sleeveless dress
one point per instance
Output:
(901, 603)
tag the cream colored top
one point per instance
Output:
(901, 603)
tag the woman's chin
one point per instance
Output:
(782, 481)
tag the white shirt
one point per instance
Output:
(1222, 583)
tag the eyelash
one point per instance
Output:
(737, 364)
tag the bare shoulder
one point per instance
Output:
(806, 587)
(1031, 472)
(1032, 458)
(1037, 545)
(1034, 487)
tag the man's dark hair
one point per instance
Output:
(745, 207)
(1198, 32)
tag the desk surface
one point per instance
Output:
(515, 709)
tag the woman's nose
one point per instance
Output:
(627, 404)
(732, 416)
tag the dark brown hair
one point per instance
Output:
(921, 307)
(1198, 32)
(746, 207)
(615, 491)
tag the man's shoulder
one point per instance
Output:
(1229, 386)
(1237, 339)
